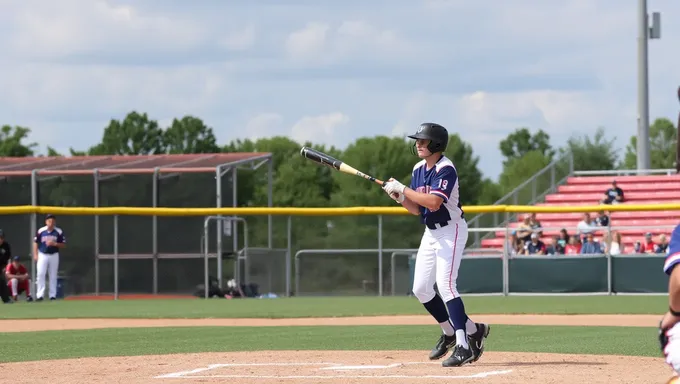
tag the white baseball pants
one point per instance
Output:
(438, 260)
(47, 264)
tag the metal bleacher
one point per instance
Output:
(588, 190)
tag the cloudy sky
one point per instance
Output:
(333, 71)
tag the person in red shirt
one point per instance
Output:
(17, 279)
(574, 246)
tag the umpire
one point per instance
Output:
(5, 255)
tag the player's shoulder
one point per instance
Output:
(443, 163)
(419, 164)
(42, 229)
(59, 231)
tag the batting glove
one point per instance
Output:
(394, 186)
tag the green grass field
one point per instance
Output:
(28, 346)
(330, 307)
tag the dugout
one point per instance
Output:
(155, 254)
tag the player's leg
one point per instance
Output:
(53, 270)
(25, 287)
(13, 288)
(423, 288)
(41, 271)
(449, 255)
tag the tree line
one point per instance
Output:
(302, 183)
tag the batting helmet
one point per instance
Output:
(438, 136)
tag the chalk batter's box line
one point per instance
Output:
(186, 374)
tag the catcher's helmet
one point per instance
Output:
(438, 136)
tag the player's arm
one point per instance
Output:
(410, 206)
(61, 240)
(440, 190)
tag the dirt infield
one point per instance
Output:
(341, 367)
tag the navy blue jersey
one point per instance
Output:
(43, 236)
(673, 251)
(441, 180)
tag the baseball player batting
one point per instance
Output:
(434, 196)
(47, 242)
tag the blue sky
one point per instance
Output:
(333, 71)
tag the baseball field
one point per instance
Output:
(556, 339)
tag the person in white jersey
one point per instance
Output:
(434, 196)
(47, 243)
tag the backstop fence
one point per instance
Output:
(331, 251)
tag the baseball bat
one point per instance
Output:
(328, 161)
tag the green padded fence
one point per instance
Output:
(558, 274)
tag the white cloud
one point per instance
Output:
(320, 129)
(263, 125)
(240, 40)
(411, 114)
(307, 41)
(57, 29)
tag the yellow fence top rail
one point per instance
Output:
(292, 211)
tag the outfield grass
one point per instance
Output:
(28, 346)
(329, 307)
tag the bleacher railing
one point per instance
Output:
(529, 192)
(345, 252)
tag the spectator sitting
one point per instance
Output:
(564, 238)
(535, 246)
(512, 244)
(662, 246)
(613, 195)
(602, 219)
(585, 226)
(574, 246)
(648, 246)
(555, 248)
(590, 246)
(524, 230)
(637, 248)
(613, 244)
(18, 280)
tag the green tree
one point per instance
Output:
(663, 136)
(521, 141)
(466, 163)
(490, 192)
(596, 153)
(135, 135)
(518, 170)
(189, 135)
(12, 142)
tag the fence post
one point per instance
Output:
(506, 257)
(380, 255)
(289, 241)
(115, 257)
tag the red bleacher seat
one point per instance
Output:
(588, 190)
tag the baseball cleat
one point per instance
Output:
(53, 298)
(443, 346)
(477, 339)
(39, 299)
(29, 298)
(459, 357)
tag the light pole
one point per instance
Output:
(645, 32)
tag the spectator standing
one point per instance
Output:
(602, 219)
(585, 226)
(590, 246)
(613, 195)
(535, 246)
(535, 224)
(524, 230)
